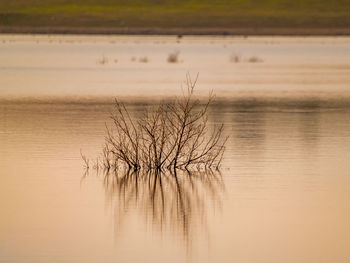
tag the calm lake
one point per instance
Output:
(281, 195)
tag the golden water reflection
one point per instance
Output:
(168, 201)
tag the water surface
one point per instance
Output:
(281, 194)
(104, 66)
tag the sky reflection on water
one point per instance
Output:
(285, 175)
(281, 195)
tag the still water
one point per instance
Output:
(281, 195)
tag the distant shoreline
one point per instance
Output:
(268, 31)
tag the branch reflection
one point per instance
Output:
(175, 201)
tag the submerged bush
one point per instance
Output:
(173, 134)
(103, 60)
(235, 58)
(143, 59)
(173, 57)
(255, 59)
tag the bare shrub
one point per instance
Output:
(85, 159)
(103, 60)
(173, 134)
(173, 57)
(235, 58)
(143, 59)
(255, 59)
